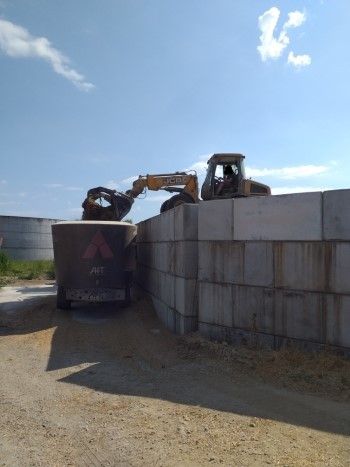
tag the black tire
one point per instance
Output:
(164, 206)
(61, 301)
(176, 200)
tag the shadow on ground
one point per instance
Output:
(132, 354)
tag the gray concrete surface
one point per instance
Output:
(336, 215)
(17, 299)
(167, 253)
(285, 217)
(215, 220)
(259, 267)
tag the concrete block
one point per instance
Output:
(336, 215)
(220, 261)
(144, 254)
(163, 256)
(146, 230)
(338, 320)
(215, 220)
(185, 324)
(186, 296)
(157, 255)
(303, 265)
(258, 264)
(166, 291)
(186, 259)
(339, 276)
(172, 320)
(186, 222)
(215, 304)
(141, 226)
(253, 309)
(156, 283)
(165, 314)
(164, 229)
(300, 315)
(148, 279)
(286, 217)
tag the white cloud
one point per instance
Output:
(129, 181)
(299, 60)
(17, 42)
(112, 185)
(200, 166)
(288, 173)
(3, 182)
(296, 189)
(271, 46)
(285, 173)
(295, 19)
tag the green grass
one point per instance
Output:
(12, 270)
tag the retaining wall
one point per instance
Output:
(27, 238)
(167, 252)
(272, 269)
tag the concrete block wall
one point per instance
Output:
(167, 253)
(277, 270)
(270, 270)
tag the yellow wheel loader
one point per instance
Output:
(225, 179)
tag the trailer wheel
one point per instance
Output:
(61, 301)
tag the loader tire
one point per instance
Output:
(176, 200)
(164, 206)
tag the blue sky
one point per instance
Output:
(95, 92)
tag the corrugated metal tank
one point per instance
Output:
(27, 238)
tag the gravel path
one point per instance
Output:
(99, 386)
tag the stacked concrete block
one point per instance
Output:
(286, 217)
(272, 269)
(167, 271)
(336, 215)
(276, 269)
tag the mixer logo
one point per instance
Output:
(98, 243)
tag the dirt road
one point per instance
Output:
(104, 387)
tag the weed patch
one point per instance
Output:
(12, 270)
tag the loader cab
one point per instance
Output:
(225, 174)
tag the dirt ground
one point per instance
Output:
(100, 386)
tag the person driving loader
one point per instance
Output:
(229, 181)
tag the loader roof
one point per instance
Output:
(226, 157)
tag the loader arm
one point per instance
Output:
(166, 182)
(121, 203)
